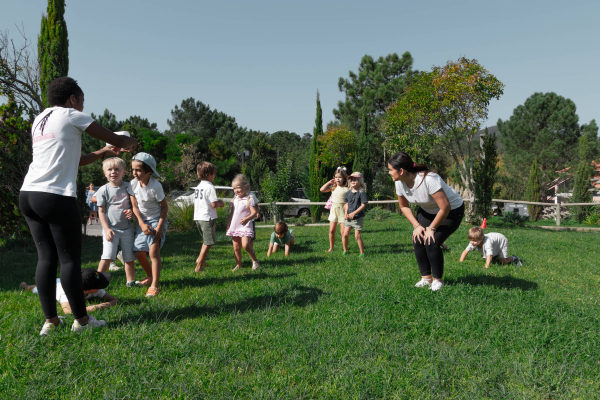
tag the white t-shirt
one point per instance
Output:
(204, 195)
(61, 297)
(56, 152)
(420, 194)
(148, 197)
(493, 243)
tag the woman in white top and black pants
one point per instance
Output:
(441, 210)
(48, 196)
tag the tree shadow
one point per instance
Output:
(385, 249)
(506, 282)
(296, 295)
(201, 282)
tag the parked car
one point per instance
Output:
(301, 209)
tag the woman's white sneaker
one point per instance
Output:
(423, 283)
(92, 323)
(436, 285)
(49, 326)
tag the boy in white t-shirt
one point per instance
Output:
(150, 209)
(206, 203)
(94, 283)
(492, 246)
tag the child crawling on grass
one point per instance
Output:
(94, 283)
(281, 236)
(492, 246)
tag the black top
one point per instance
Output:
(355, 200)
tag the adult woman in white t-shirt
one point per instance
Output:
(48, 196)
(441, 210)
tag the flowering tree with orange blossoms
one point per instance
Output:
(444, 107)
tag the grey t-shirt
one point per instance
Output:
(355, 200)
(116, 200)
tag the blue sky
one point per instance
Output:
(263, 61)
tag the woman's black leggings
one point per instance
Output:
(55, 225)
(429, 256)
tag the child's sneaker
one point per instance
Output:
(344, 253)
(517, 261)
(147, 281)
(153, 292)
(361, 255)
(113, 267)
(436, 285)
(134, 284)
(237, 268)
(423, 283)
(49, 327)
(92, 323)
(120, 257)
(255, 265)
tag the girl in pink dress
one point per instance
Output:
(239, 225)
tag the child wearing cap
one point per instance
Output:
(354, 209)
(150, 209)
(94, 284)
(281, 237)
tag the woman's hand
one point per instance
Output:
(418, 234)
(429, 238)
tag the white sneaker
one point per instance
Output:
(255, 265)
(120, 257)
(92, 323)
(237, 268)
(113, 267)
(517, 261)
(49, 326)
(423, 283)
(436, 285)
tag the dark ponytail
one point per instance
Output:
(403, 160)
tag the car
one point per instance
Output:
(301, 209)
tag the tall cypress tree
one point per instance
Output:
(53, 46)
(317, 173)
(583, 174)
(363, 161)
(485, 172)
(534, 192)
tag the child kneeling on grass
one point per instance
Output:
(492, 246)
(354, 208)
(281, 237)
(94, 283)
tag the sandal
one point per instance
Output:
(153, 292)
(147, 281)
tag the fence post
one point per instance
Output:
(557, 213)
(274, 210)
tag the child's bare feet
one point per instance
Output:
(199, 268)
(329, 251)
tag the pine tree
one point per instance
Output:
(534, 192)
(485, 176)
(53, 46)
(363, 161)
(317, 174)
(584, 172)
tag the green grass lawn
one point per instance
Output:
(323, 326)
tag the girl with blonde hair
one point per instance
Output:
(239, 226)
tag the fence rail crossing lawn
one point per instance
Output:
(558, 205)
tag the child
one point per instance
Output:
(492, 246)
(114, 205)
(339, 186)
(281, 237)
(94, 283)
(239, 226)
(205, 209)
(354, 211)
(150, 208)
(89, 193)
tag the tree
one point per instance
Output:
(445, 107)
(534, 191)
(318, 173)
(485, 176)
(363, 161)
(337, 146)
(546, 128)
(53, 46)
(583, 174)
(279, 186)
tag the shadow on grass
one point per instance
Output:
(296, 295)
(200, 282)
(387, 249)
(507, 282)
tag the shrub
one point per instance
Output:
(181, 217)
(514, 219)
(378, 214)
(303, 220)
(592, 218)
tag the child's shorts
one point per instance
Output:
(502, 254)
(357, 224)
(123, 237)
(337, 214)
(142, 241)
(207, 228)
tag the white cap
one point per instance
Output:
(124, 133)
